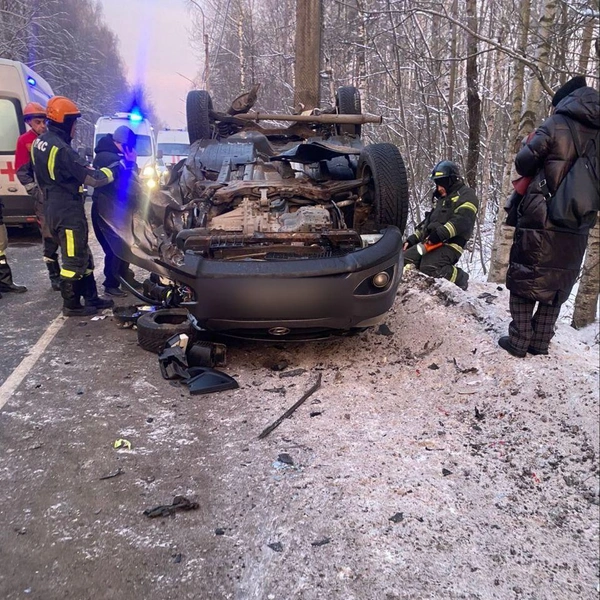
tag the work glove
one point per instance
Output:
(438, 235)
(411, 240)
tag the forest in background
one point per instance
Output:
(464, 80)
(70, 45)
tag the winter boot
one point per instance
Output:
(6, 280)
(90, 294)
(70, 290)
(54, 273)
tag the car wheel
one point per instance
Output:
(197, 108)
(347, 102)
(385, 189)
(155, 328)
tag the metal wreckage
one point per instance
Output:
(272, 232)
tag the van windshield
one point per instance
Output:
(143, 145)
(9, 126)
(174, 149)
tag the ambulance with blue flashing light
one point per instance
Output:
(145, 144)
(19, 85)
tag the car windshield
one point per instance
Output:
(174, 149)
(143, 145)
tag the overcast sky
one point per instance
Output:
(155, 47)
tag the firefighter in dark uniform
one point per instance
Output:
(439, 240)
(61, 174)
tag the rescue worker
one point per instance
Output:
(113, 148)
(61, 174)
(439, 240)
(34, 115)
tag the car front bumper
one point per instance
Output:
(285, 299)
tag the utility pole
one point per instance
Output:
(308, 54)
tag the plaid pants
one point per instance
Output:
(529, 330)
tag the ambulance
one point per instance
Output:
(18, 85)
(173, 145)
(145, 142)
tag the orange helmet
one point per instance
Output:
(60, 108)
(33, 110)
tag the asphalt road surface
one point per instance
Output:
(429, 464)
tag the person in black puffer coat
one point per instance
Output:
(116, 147)
(545, 259)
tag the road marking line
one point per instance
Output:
(7, 389)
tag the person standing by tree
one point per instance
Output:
(545, 258)
(61, 174)
(113, 148)
(34, 115)
(439, 240)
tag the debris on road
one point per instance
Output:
(285, 458)
(321, 542)
(293, 373)
(276, 546)
(166, 510)
(122, 443)
(397, 518)
(290, 410)
(116, 473)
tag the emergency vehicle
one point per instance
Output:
(18, 85)
(173, 145)
(145, 142)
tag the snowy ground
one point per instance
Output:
(429, 465)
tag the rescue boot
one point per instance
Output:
(70, 290)
(53, 273)
(90, 294)
(6, 280)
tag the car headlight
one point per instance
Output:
(151, 183)
(148, 172)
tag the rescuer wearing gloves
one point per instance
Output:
(34, 115)
(61, 174)
(439, 240)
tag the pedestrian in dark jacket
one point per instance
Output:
(545, 259)
(439, 240)
(116, 147)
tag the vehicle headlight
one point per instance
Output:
(151, 183)
(148, 172)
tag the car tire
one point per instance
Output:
(347, 102)
(197, 108)
(385, 187)
(155, 328)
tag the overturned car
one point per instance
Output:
(272, 232)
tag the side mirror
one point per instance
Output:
(159, 154)
(88, 152)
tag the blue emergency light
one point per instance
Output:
(31, 81)
(136, 116)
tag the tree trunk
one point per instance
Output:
(503, 234)
(473, 100)
(586, 300)
(308, 54)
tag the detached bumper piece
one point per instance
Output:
(180, 361)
